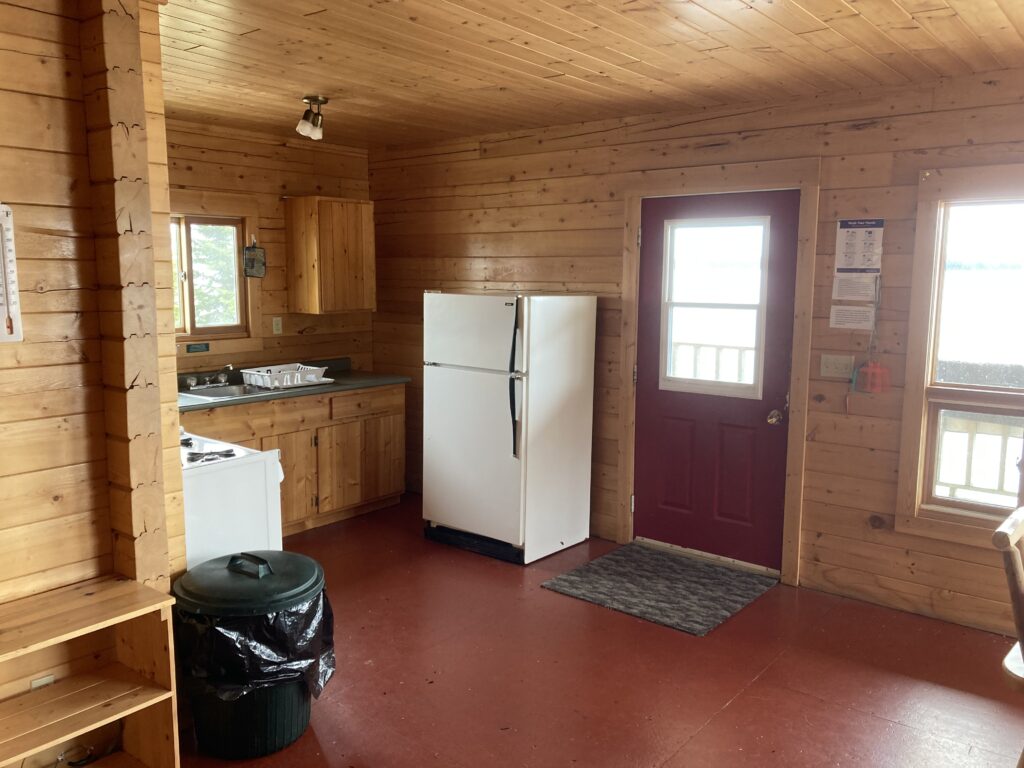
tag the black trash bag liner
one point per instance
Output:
(234, 655)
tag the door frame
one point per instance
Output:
(803, 174)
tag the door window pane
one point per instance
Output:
(717, 264)
(982, 284)
(215, 256)
(713, 310)
(976, 457)
(713, 344)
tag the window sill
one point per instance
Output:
(950, 524)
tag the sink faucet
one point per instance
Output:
(221, 376)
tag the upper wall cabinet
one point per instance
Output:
(330, 255)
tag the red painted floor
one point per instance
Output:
(446, 658)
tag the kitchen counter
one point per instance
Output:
(343, 381)
(341, 445)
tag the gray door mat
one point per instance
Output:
(671, 589)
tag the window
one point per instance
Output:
(209, 285)
(963, 426)
(712, 319)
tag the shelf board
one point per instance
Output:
(62, 614)
(75, 705)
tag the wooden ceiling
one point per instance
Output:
(409, 71)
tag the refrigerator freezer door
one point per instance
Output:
(470, 479)
(468, 331)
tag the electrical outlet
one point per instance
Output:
(278, 327)
(41, 682)
(837, 366)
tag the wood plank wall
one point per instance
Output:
(543, 210)
(266, 168)
(54, 509)
(159, 190)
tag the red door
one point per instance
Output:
(714, 345)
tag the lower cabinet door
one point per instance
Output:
(340, 466)
(384, 462)
(298, 460)
(360, 461)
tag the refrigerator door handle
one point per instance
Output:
(512, 412)
(512, 379)
(515, 335)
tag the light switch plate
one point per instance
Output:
(278, 329)
(837, 366)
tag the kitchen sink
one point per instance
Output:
(229, 390)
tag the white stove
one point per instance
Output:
(232, 498)
(197, 451)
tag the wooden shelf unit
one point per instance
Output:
(130, 680)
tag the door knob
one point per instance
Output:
(774, 416)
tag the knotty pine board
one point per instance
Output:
(542, 210)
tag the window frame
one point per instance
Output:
(918, 511)
(752, 391)
(208, 349)
(186, 285)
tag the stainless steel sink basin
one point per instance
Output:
(230, 390)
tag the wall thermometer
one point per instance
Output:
(10, 306)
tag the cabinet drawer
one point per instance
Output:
(366, 403)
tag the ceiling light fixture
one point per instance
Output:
(312, 123)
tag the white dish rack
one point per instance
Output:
(283, 376)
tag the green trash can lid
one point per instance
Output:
(249, 584)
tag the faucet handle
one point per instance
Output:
(222, 378)
(191, 382)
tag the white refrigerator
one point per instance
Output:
(508, 398)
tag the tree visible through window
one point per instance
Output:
(209, 287)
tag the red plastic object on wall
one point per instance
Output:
(873, 377)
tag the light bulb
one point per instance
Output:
(316, 130)
(305, 126)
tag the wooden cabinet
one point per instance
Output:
(342, 454)
(362, 458)
(298, 460)
(361, 461)
(338, 465)
(331, 266)
(105, 648)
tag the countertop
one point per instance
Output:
(343, 380)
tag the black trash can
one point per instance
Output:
(253, 637)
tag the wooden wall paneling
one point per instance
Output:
(55, 529)
(118, 165)
(517, 210)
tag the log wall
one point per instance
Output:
(266, 168)
(544, 210)
(54, 507)
(160, 203)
